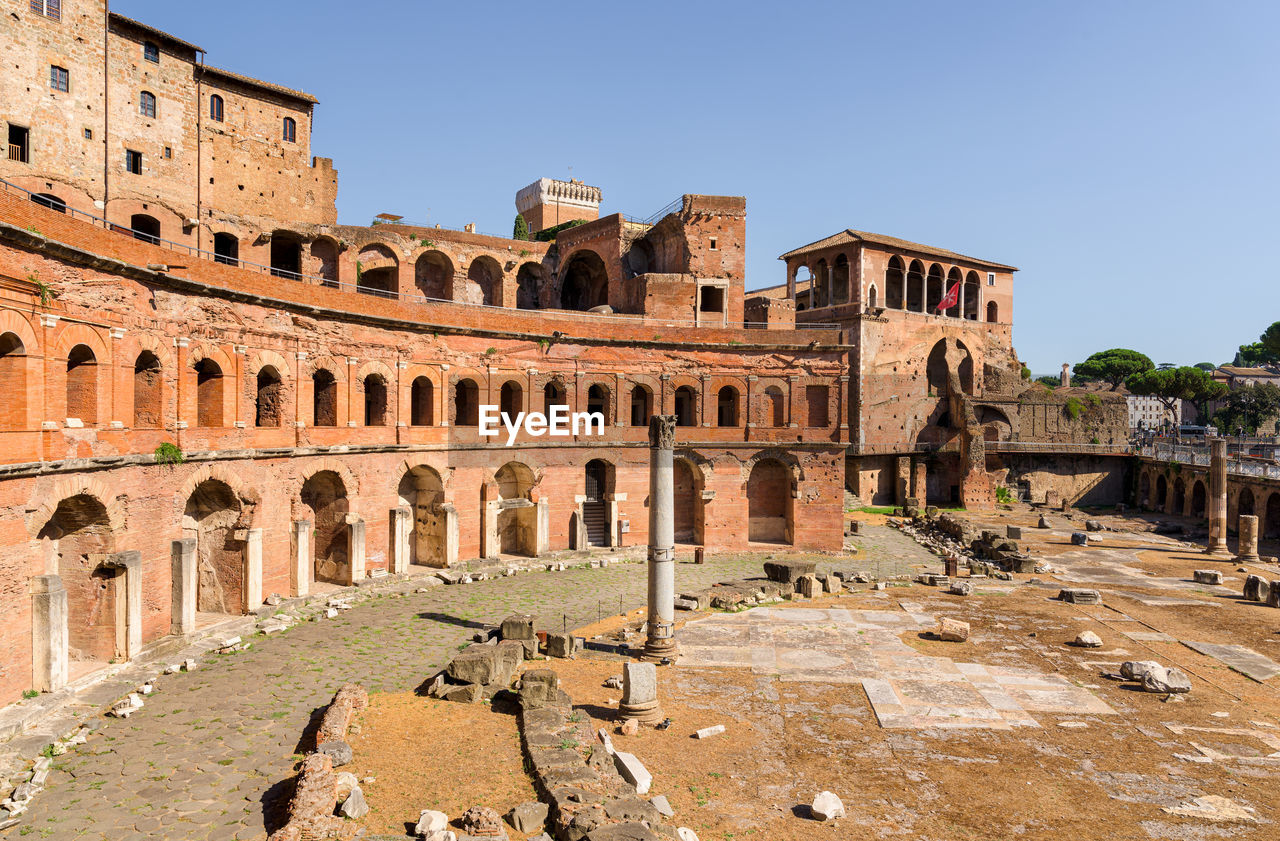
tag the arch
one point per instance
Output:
(895, 283)
(553, 394)
(769, 502)
(422, 489)
(422, 402)
(727, 406)
(433, 275)
(598, 401)
(510, 401)
(954, 277)
(972, 291)
(641, 405)
(803, 285)
(993, 312)
(484, 281)
(148, 378)
(1179, 496)
(13, 381)
(325, 494)
(374, 387)
(208, 393)
(1245, 504)
(212, 515)
(934, 291)
(466, 403)
(77, 534)
(995, 424)
(687, 481)
(775, 406)
(82, 385)
(686, 406)
(821, 284)
(268, 401)
(226, 249)
(1144, 489)
(949, 356)
(324, 258)
(517, 521)
(147, 104)
(840, 280)
(1271, 517)
(1161, 502)
(50, 201)
(1198, 495)
(145, 227)
(377, 270)
(528, 286)
(324, 398)
(915, 286)
(289, 130)
(598, 477)
(584, 284)
(247, 496)
(286, 255)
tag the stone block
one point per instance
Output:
(1013, 532)
(952, 630)
(482, 664)
(808, 586)
(1255, 588)
(1087, 639)
(960, 588)
(630, 831)
(1165, 680)
(1207, 576)
(702, 599)
(1094, 525)
(564, 646)
(1273, 594)
(517, 627)
(1137, 669)
(708, 732)
(467, 693)
(633, 771)
(826, 806)
(1079, 538)
(1079, 595)
(528, 817)
(539, 688)
(787, 572)
(339, 753)
(639, 683)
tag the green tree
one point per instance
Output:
(1049, 381)
(1206, 366)
(1112, 366)
(521, 231)
(1249, 407)
(1254, 355)
(1270, 339)
(1170, 385)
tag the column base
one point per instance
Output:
(1218, 552)
(648, 713)
(657, 650)
(1249, 559)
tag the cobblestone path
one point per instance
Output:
(212, 750)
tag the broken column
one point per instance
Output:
(252, 570)
(1247, 549)
(355, 547)
(300, 568)
(1218, 498)
(662, 566)
(401, 534)
(640, 693)
(48, 633)
(184, 585)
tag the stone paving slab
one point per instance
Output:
(1246, 661)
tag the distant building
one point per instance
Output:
(1147, 412)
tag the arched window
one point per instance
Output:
(872, 297)
(208, 394)
(13, 381)
(147, 104)
(466, 403)
(324, 398)
(50, 201)
(215, 108)
(511, 401)
(775, 406)
(375, 400)
(145, 228)
(993, 312)
(895, 280)
(226, 249)
(641, 405)
(268, 410)
(82, 385)
(686, 406)
(286, 255)
(598, 401)
(290, 130)
(553, 395)
(727, 406)
(422, 402)
(146, 391)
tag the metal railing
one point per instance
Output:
(1199, 456)
(669, 207)
(316, 280)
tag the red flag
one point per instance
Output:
(953, 298)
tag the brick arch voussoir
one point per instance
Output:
(13, 322)
(247, 495)
(778, 454)
(72, 486)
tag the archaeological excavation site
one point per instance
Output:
(313, 530)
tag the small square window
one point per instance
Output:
(991, 278)
(59, 78)
(48, 8)
(711, 300)
(168, 152)
(713, 244)
(88, 134)
(19, 144)
(151, 52)
(133, 161)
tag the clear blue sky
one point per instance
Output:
(1123, 155)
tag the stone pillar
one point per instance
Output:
(1247, 550)
(401, 534)
(252, 570)
(1218, 498)
(577, 531)
(48, 633)
(450, 515)
(300, 565)
(131, 563)
(489, 520)
(184, 586)
(640, 693)
(902, 480)
(355, 547)
(920, 481)
(662, 566)
(542, 527)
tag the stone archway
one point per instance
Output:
(517, 521)
(422, 490)
(1198, 497)
(326, 495)
(78, 538)
(770, 508)
(212, 515)
(688, 502)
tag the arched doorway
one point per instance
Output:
(1144, 490)
(528, 282)
(77, 536)
(517, 514)
(324, 398)
(769, 503)
(377, 270)
(1197, 499)
(326, 495)
(594, 509)
(687, 502)
(1271, 520)
(433, 275)
(422, 490)
(82, 385)
(686, 406)
(484, 277)
(268, 404)
(895, 281)
(226, 249)
(422, 402)
(211, 516)
(145, 228)
(286, 255)
(993, 312)
(641, 405)
(375, 400)
(1162, 494)
(1179, 496)
(510, 401)
(466, 403)
(585, 284)
(727, 406)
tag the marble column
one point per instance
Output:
(1218, 498)
(356, 547)
(1248, 547)
(131, 564)
(401, 534)
(662, 566)
(252, 570)
(300, 568)
(184, 587)
(48, 633)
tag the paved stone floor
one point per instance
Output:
(211, 752)
(905, 687)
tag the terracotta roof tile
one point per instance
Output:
(850, 236)
(116, 17)
(258, 83)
